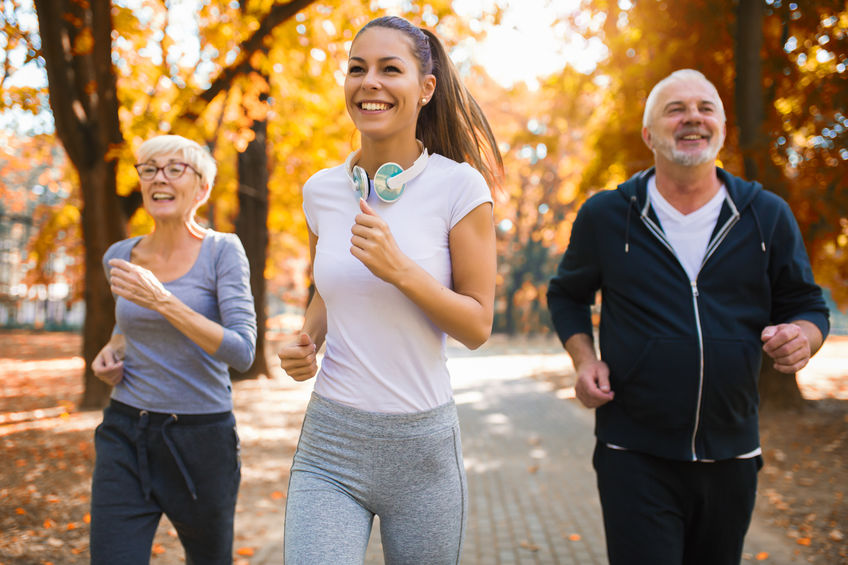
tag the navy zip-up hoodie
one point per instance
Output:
(684, 356)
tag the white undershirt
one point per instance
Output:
(689, 234)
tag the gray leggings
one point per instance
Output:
(350, 465)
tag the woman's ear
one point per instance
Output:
(202, 193)
(428, 87)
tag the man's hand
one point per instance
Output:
(593, 387)
(788, 345)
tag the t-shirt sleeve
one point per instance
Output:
(471, 192)
(309, 206)
(235, 302)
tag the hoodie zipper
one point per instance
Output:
(711, 247)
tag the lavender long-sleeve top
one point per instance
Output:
(164, 371)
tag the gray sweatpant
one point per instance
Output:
(350, 465)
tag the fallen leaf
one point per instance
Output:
(245, 551)
(158, 549)
(529, 546)
(803, 541)
(762, 556)
(573, 537)
(87, 518)
(532, 469)
(20, 511)
(48, 523)
(836, 535)
(277, 495)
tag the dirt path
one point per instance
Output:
(47, 455)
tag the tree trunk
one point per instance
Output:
(777, 390)
(749, 86)
(252, 229)
(101, 225)
(76, 43)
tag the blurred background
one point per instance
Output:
(259, 82)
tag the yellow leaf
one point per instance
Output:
(84, 43)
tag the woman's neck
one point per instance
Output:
(167, 235)
(375, 153)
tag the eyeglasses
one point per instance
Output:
(172, 171)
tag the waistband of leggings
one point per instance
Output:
(157, 418)
(380, 424)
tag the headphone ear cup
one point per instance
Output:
(361, 182)
(381, 182)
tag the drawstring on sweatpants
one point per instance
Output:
(176, 455)
(141, 449)
(141, 452)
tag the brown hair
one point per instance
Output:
(452, 123)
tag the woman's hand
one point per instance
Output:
(374, 245)
(299, 359)
(137, 284)
(108, 365)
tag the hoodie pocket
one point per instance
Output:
(730, 382)
(661, 387)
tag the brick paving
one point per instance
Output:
(532, 496)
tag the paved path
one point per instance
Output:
(528, 458)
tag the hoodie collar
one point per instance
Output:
(740, 192)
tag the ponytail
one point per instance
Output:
(451, 123)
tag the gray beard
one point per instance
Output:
(684, 159)
(693, 159)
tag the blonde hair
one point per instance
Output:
(194, 154)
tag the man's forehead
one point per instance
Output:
(687, 90)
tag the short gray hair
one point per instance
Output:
(194, 154)
(682, 74)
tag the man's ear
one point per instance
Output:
(646, 137)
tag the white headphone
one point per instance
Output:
(389, 180)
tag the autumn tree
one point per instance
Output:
(780, 69)
(259, 67)
(541, 136)
(75, 43)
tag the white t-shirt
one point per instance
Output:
(689, 234)
(383, 353)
